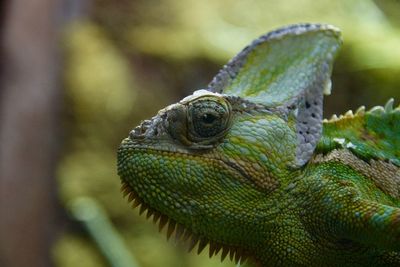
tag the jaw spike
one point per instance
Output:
(186, 236)
(132, 196)
(212, 249)
(124, 186)
(243, 258)
(217, 248)
(156, 217)
(225, 251)
(149, 213)
(163, 222)
(203, 243)
(231, 253)
(180, 229)
(171, 228)
(193, 243)
(143, 208)
(126, 192)
(136, 203)
(238, 256)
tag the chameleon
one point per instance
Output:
(249, 167)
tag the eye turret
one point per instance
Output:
(200, 123)
(207, 118)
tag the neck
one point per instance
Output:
(244, 228)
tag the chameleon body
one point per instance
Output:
(249, 167)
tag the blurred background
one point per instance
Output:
(77, 75)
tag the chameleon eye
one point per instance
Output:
(207, 118)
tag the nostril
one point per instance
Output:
(137, 132)
(140, 130)
(147, 129)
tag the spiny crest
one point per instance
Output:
(181, 233)
(372, 134)
(377, 110)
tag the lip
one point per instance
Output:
(132, 146)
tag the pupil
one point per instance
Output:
(208, 118)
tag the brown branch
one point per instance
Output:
(29, 114)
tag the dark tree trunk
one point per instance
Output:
(29, 113)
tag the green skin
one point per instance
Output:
(224, 164)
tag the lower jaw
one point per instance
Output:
(183, 234)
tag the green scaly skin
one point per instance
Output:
(249, 168)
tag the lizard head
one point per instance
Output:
(210, 164)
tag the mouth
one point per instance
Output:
(180, 232)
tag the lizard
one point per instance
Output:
(249, 167)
